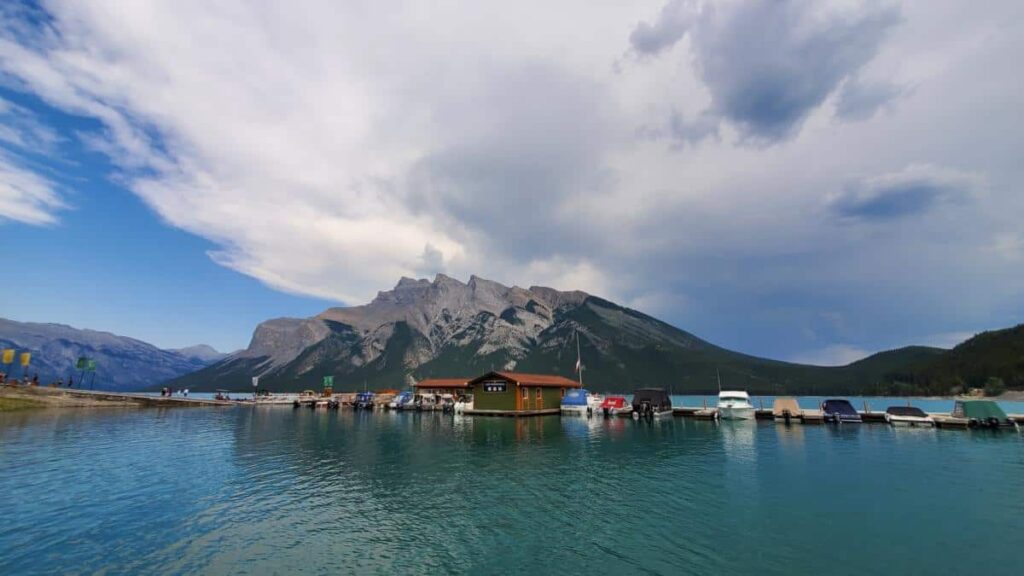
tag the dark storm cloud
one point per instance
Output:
(506, 174)
(767, 65)
(667, 29)
(913, 192)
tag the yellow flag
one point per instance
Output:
(26, 357)
(8, 356)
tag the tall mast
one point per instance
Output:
(579, 359)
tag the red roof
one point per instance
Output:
(535, 380)
(443, 383)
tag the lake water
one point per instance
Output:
(269, 490)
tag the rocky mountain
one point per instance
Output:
(121, 363)
(447, 328)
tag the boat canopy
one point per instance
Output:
(838, 406)
(656, 396)
(364, 396)
(978, 409)
(733, 395)
(780, 406)
(906, 411)
(614, 402)
(575, 397)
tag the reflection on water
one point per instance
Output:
(265, 490)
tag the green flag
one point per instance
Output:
(91, 366)
(328, 381)
(82, 362)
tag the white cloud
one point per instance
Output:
(26, 196)
(333, 149)
(834, 355)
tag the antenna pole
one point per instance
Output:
(579, 359)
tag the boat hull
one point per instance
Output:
(736, 412)
(909, 422)
(575, 410)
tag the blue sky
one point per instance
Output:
(805, 180)
(111, 264)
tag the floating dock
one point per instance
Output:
(514, 413)
(814, 416)
(71, 397)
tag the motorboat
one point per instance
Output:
(398, 401)
(786, 409)
(447, 403)
(463, 403)
(306, 398)
(594, 402)
(982, 414)
(425, 402)
(364, 401)
(735, 405)
(908, 416)
(574, 403)
(615, 406)
(651, 403)
(840, 411)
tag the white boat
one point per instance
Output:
(464, 403)
(576, 402)
(908, 416)
(735, 405)
(594, 402)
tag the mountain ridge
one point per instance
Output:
(122, 362)
(449, 328)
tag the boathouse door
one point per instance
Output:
(539, 402)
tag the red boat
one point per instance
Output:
(616, 406)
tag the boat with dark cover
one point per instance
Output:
(651, 403)
(908, 416)
(840, 411)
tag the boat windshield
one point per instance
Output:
(733, 399)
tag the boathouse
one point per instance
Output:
(518, 394)
(454, 386)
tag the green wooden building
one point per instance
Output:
(517, 394)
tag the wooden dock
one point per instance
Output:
(514, 413)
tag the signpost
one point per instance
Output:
(328, 385)
(82, 364)
(26, 357)
(8, 359)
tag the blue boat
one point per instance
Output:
(575, 402)
(840, 411)
(402, 399)
(364, 401)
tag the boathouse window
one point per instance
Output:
(563, 392)
(538, 393)
(526, 393)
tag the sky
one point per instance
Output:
(800, 179)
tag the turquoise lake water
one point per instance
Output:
(271, 490)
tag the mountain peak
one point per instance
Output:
(444, 279)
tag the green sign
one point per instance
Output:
(91, 366)
(82, 363)
(328, 381)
